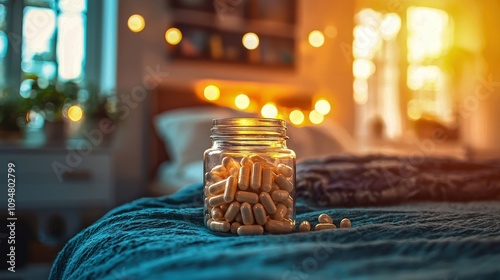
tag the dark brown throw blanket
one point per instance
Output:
(382, 180)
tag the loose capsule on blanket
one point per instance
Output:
(274, 226)
(324, 218)
(249, 197)
(230, 189)
(244, 177)
(220, 226)
(345, 223)
(284, 169)
(259, 214)
(250, 230)
(212, 177)
(234, 227)
(305, 226)
(267, 202)
(283, 183)
(267, 179)
(217, 188)
(232, 211)
(217, 200)
(279, 195)
(216, 213)
(256, 178)
(324, 226)
(246, 213)
(280, 212)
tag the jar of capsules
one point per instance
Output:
(249, 184)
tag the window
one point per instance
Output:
(53, 40)
(3, 44)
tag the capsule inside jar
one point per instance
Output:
(262, 197)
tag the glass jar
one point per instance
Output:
(249, 185)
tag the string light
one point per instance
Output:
(269, 111)
(75, 113)
(136, 23)
(296, 117)
(250, 41)
(211, 92)
(322, 106)
(316, 38)
(173, 36)
(315, 117)
(242, 101)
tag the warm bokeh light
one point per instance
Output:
(315, 117)
(211, 92)
(322, 106)
(136, 23)
(360, 88)
(269, 111)
(173, 36)
(390, 26)
(75, 113)
(413, 110)
(331, 31)
(250, 41)
(296, 117)
(363, 68)
(242, 101)
(316, 38)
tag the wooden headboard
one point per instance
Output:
(164, 98)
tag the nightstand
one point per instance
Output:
(57, 183)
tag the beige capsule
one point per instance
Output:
(238, 218)
(274, 226)
(288, 202)
(259, 214)
(324, 226)
(280, 212)
(264, 163)
(289, 213)
(217, 188)
(345, 223)
(224, 207)
(284, 169)
(228, 162)
(267, 180)
(246, 213)
(250, 230)
(305, 226)
(232, 211)
(216, 213)
(249, 197)
(274, 187)
(209, 221)
(219, 170)
(220, 226)
(212, 178)
(279, 195)
(233, 171)
(283, 183)
(244, 177)
(217, 200)
(256, 178)
(230, 189)
(267, 202)
(234, 227)
(324, 218)
(245, 161)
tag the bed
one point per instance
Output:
(438, 219)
